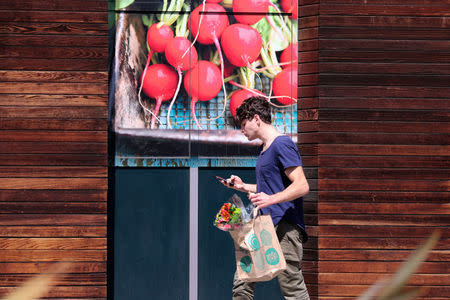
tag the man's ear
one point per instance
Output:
(257, 119)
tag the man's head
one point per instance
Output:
(254, 106)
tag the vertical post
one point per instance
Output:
(193, 233)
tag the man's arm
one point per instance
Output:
(298, 188)
(239, 185)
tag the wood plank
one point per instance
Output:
(52, 171)
(384, 185)
(385, 21)
(380, 231)
(53, 195)
(384, 115)
(53, 136)
(310, 45)
(392, 57)
(388, 173)
(370, 127)
(51, 256)
(384, 196)
(53, 207)
(52, 231)
(382, 2)
(385, 80)
(375, 138)
(76, 112)
(308, 56)
(375, 267)
(382, 103)
(377, 45)
(75, 5)
(374, 67)
(388, 243)
(39, 267)
(386, 91)
(386, 150)
(52, 243)
(385, 208)
(386, 159)
(308, 10)
(54, 76)
(308, 68)
(67, 291)
(66, 279)
(81, 101)
(57, 64)
(52, 148)
(386, 33)
(369, 278)
(53, 28)
(54, 16)
(308, 33)
(53, 41)
(53, 159)
(54, 183)
(368, 253)
(51, 124)
(55, 88)
(382, 10)
(54, 219)
(383, 220)
(308, 22)
(356, 290)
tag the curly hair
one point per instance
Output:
(252, 106)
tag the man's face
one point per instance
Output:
(249, 128)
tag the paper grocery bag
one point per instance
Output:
(258, 252)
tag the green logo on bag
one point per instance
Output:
(253, 242)
(266, 238)
(272, 256)
(246, 264)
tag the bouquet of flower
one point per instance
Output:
(229, 217)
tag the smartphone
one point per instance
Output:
(224, 180)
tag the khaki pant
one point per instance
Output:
(291, 280)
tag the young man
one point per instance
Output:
(280, 185)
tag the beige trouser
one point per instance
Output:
(291, 280)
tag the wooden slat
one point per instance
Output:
(388, 173)
(54, 195)
(378, 158)
(54, 219)
(375, 267)
(381, 231)
(385, 208)
(53, 136)
(71, 159)
(75, 112)
(76, 5)
(385, 21)
(384, 220)
(53, 207)
(53, 28)
(54, 88)
(68, 291)
(387, 150)
(57, 64)
(361, 252)
(82, 101)
(368, 278)
(384, 196)
(52, 147)
(52, 231)
(381, 10)
(52, 243)
(390, 33)
(375, 67)
(66, 279)
(53, 171)
(53, 16)
(53, 183)
(53, 76)
(384, 56)
(39, 267)
(385, 80)
(51, 255)
(52, 41)
(52, 124)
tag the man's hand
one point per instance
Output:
(261, 200)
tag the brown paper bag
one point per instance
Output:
(258, 252)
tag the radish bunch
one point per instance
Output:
(221, 56)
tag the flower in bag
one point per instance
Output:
(228, 217)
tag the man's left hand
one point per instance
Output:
(261, 200)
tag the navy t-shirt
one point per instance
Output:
(271, 179)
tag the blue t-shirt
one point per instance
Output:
(271, 179)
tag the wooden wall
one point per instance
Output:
(375, 127)
(53, 143)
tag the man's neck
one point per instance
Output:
(267, 134)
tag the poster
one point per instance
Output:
(181, 68)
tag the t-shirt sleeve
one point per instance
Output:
(288, 154)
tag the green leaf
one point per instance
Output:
(123, 3)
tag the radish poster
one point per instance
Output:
(180, 69)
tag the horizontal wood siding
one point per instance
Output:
(382, 139)
(53, 144)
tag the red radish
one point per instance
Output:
(214, 20)
(203, 82)
(289, 56)
(247, 10)
(240, 96)
(175, 50)
(285, 86)
(158, 35)
(160, 83)
(241, 44)
(207, 23)
(290, 6)
(174, 53)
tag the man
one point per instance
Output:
(280, 185)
